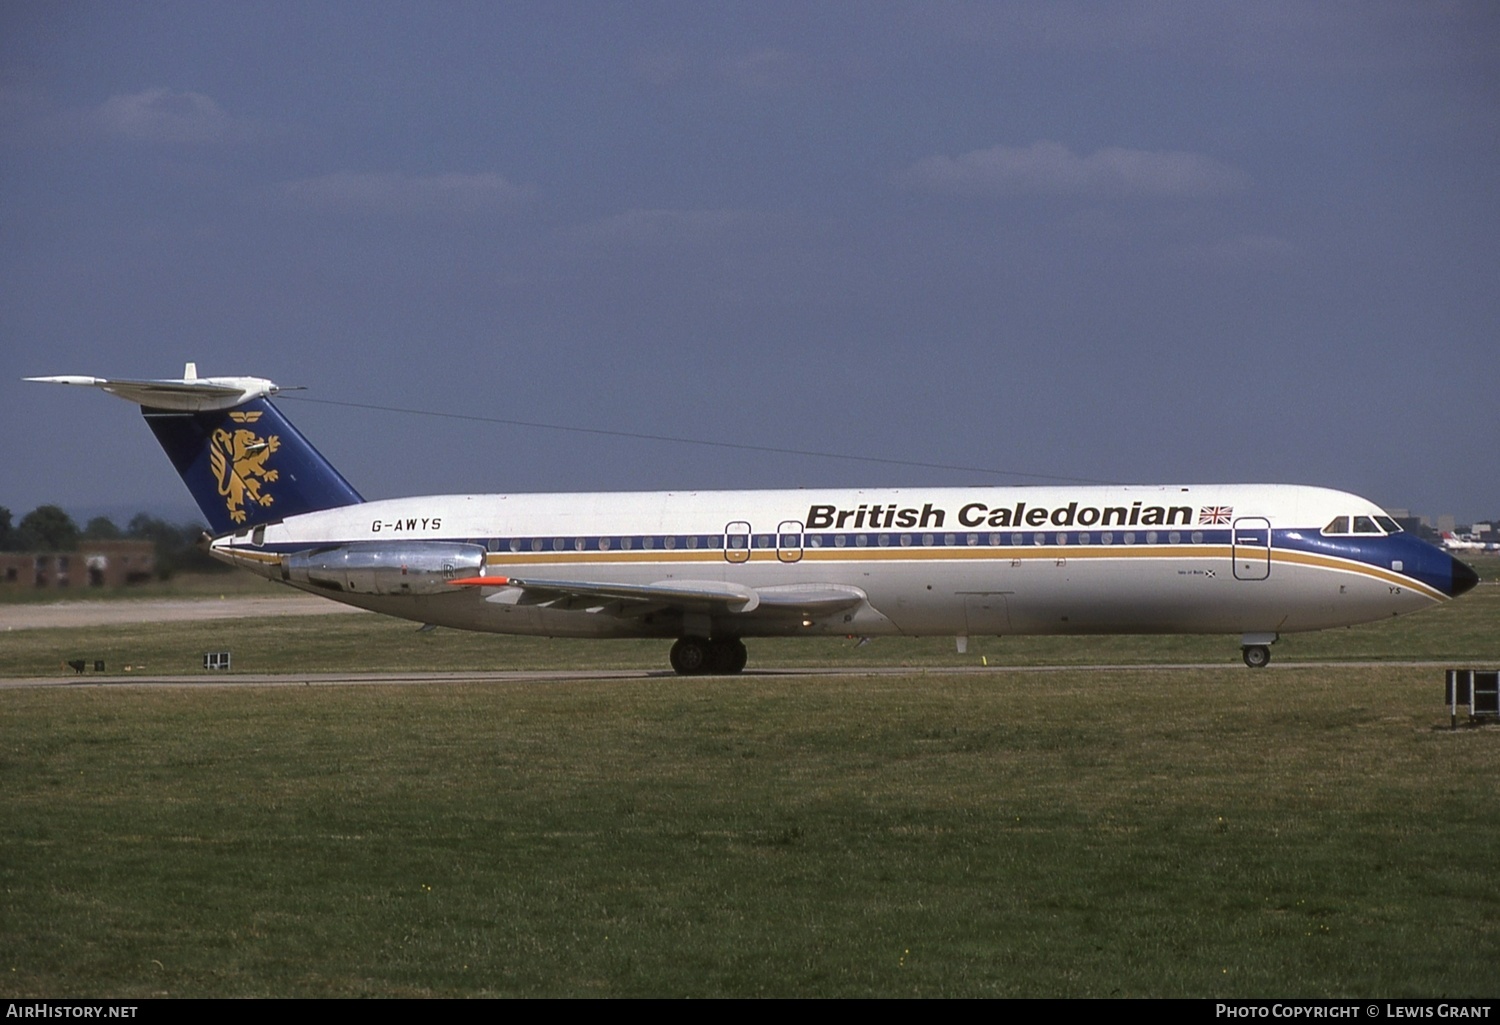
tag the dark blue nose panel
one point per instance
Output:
(1464, 578)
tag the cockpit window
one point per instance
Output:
(1374, 525)
(1337, 525)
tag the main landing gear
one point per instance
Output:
(699, 656)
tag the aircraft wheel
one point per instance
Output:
(690, 656)
(1257, 656)
(727, 655)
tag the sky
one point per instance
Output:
(966, 243)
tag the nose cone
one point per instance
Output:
(1464, 579)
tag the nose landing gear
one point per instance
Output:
(1257, 656)
(1256, 649)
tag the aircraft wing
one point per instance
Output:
(687, 595)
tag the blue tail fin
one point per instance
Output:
(247, 465)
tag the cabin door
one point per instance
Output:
(789, 541)
(737, 542)
(1251, 548)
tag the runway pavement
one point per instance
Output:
(165, 610)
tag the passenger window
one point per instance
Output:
(1083, 538)
(1107, 538)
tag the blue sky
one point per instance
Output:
(1148, 242)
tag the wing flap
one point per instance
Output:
(707, 595)
(687, 595)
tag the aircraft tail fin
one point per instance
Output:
(248, 465)
(243, 461)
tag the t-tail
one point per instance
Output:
(244, 462)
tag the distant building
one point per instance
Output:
(94, 564)
(1446, 522)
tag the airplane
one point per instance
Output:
(709, 569)
(1453, 543)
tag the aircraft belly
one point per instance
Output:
(1001, 595)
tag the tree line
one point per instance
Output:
(48, 528)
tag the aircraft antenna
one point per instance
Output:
(703, 442)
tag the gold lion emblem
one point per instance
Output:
(239, 459)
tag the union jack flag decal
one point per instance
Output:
(1215, 514)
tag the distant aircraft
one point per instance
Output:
(1454, 543)
(712, 568)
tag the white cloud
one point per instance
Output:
(393, 193)
(1050, 168)
(162, 115)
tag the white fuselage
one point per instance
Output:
(1250, 559)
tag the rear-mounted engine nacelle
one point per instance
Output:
(381, 568)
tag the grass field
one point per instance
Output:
(1307, 830)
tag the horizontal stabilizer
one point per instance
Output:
(190, 393)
